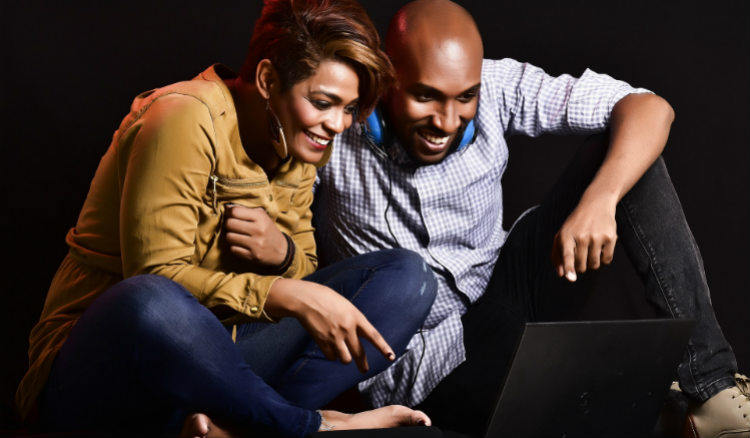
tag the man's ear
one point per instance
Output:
(266, 78)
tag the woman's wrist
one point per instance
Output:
(290, 252)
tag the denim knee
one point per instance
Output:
(417, 287)
(145, 302)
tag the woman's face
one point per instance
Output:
(314, 110)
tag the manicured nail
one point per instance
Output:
(571, 276)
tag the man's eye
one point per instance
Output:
(423, 97)
(350, 109)
(468, 97)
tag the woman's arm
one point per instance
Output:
(164, 162)
(254, 236)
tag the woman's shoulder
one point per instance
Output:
(200, 100)
(194, 95)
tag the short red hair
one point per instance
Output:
(297, 35)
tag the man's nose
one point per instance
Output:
(447, 119)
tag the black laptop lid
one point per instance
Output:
(589, 378)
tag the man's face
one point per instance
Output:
(435, 96)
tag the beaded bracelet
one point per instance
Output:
(290, 250)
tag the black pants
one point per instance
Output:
(652, 230)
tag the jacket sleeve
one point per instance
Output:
(164, 162)
(305, 256)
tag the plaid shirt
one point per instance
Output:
(450, 212)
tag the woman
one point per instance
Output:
(196, 234)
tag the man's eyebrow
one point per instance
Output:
(419, 87)
(472, 89)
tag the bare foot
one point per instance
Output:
(200, 426)
(387, 416)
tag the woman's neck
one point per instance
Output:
(253, 124)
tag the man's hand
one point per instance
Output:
(639, 127)
(253, 236)
(586, 239)
(333, 322)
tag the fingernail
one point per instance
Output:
(571, 276)
(391, 356)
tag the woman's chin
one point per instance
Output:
(310, 156)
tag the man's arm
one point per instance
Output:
(639, 127)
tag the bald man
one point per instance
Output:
(425, 174)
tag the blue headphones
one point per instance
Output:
(377, 135)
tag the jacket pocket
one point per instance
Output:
(283, 193)
(220, 191)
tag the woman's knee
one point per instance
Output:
(144, 301)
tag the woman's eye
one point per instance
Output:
(321, 104)
(350, 109)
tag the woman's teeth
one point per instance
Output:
(433, 139)
(319, 140)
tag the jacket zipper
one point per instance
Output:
(215, 193)
(213, 179)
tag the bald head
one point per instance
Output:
(440, 28)
(437, 52)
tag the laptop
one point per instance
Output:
(589, 378)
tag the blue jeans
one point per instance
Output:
(654, 233)
(146, 353)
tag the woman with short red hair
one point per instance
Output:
(190, 282)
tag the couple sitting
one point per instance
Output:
(190, 301)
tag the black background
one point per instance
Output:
(71, 69)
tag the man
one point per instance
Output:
(415, 183)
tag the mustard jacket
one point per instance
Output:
(156, 205)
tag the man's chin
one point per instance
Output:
(422, 152)
(429, 158)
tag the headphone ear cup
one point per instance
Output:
(470, 133)
(375, 128)
(376, 131)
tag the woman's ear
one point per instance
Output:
(266, 78)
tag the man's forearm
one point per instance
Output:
(639, 128)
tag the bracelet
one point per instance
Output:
(290, 250)
(324, 425)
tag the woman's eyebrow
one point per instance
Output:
(334, 97)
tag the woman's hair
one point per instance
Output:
(297, 35)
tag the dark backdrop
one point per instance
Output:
(70, 69)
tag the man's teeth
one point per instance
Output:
(319, 140)
(435, 140)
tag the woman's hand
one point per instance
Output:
(253, 236)
(333, 322)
